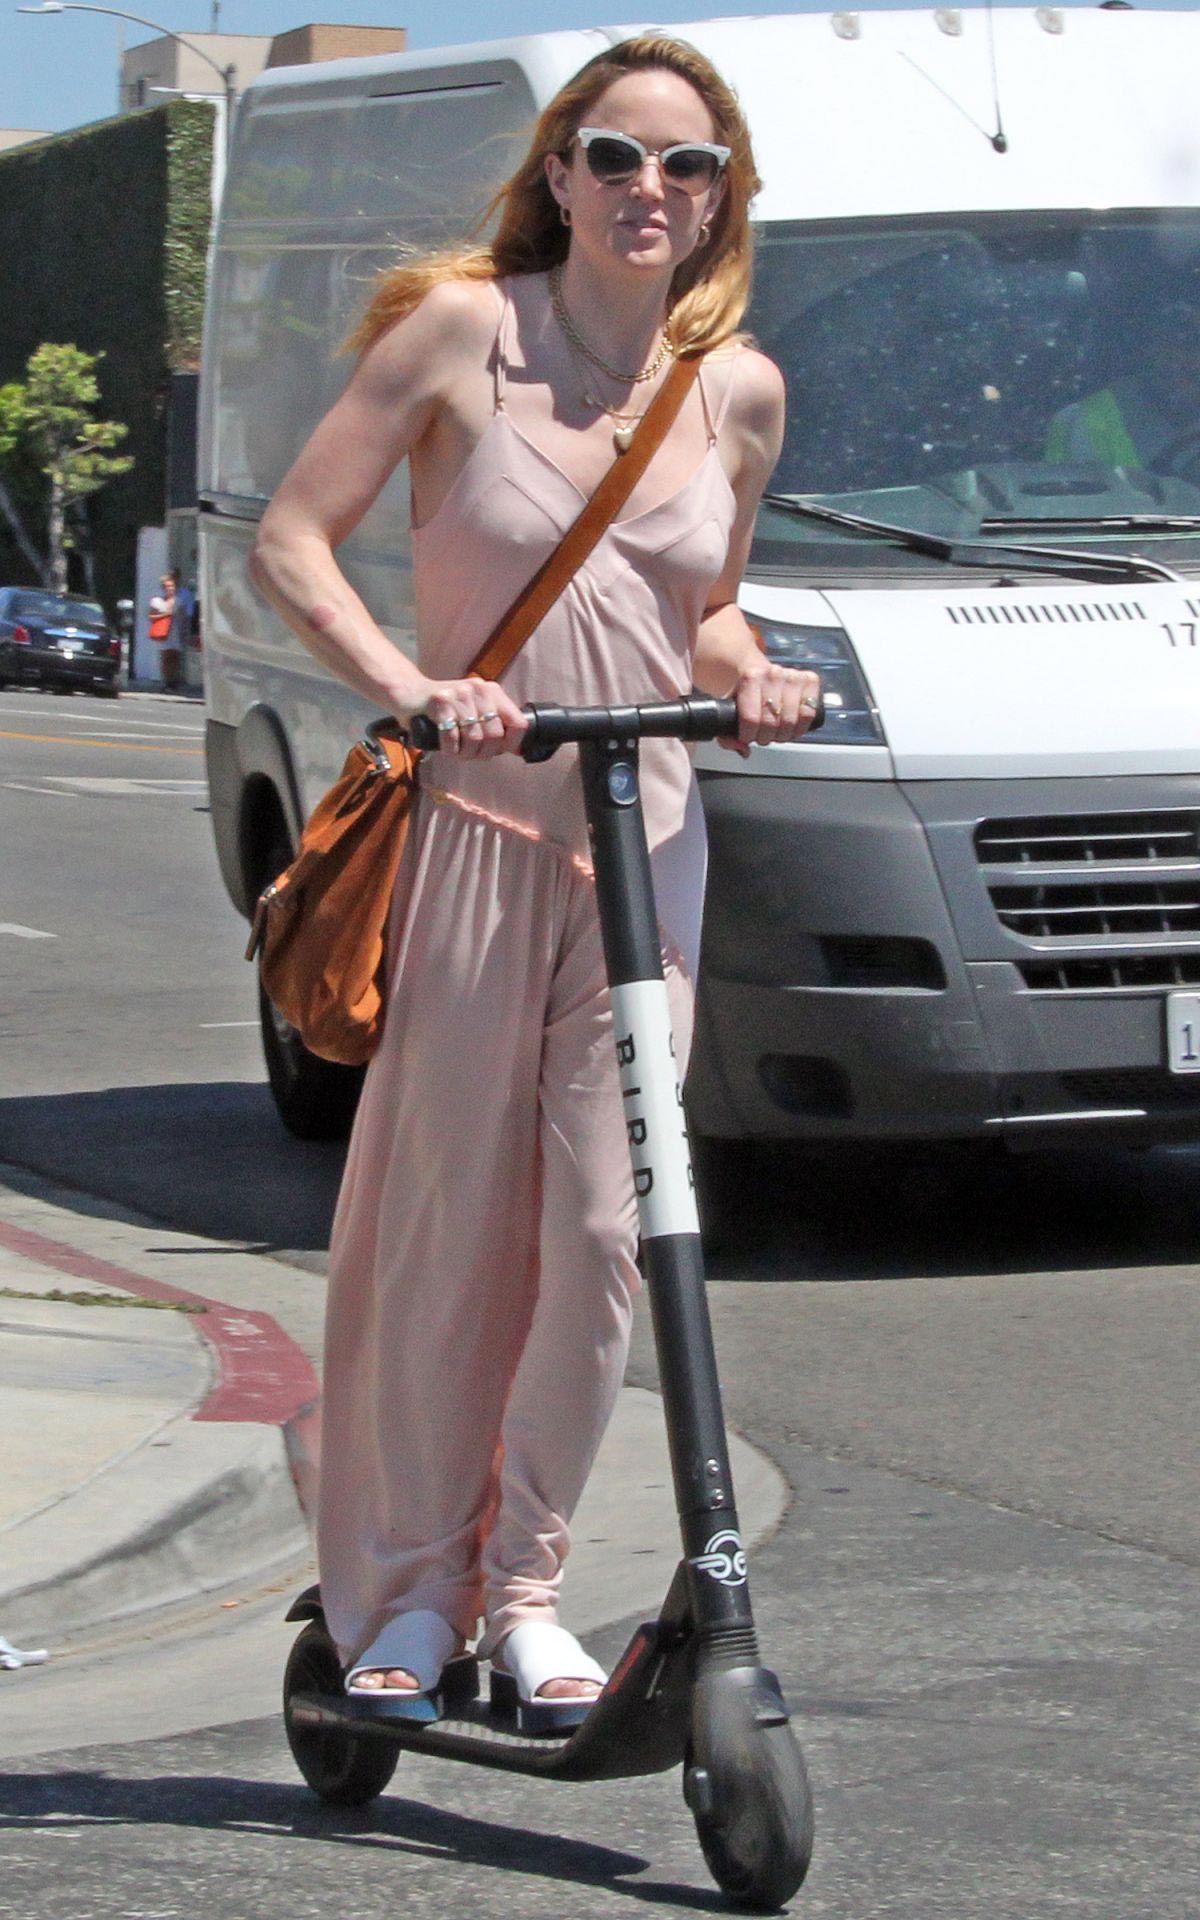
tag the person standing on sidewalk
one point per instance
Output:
(483, 1259)
(163, 611)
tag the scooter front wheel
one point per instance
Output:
(344, 1769)
(755, 1821)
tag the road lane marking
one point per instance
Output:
(117, 746)
(95, 720)
(115, 785)
(25, 933)
(108, 733)
(210, 1026)
(56, 793)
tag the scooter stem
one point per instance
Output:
(664, 1184)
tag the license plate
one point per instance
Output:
(1183, 1032)
(70, 646)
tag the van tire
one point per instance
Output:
(316, 1098)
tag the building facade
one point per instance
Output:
(108, 226)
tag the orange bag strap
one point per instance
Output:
(535, 600)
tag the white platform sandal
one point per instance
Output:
(533, 1653)
(425, 1645)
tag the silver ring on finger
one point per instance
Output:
(476, 720)
(447, 726)
(491, 714)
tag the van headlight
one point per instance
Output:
(850, 713)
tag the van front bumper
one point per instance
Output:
(859, 981)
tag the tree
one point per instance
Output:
(48, 418)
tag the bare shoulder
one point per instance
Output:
(451, 328)
(754, 422)
(757, 401)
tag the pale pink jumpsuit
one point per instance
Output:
(482, 1266)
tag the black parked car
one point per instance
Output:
(56, 640)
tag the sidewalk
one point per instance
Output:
(154, 690)
(159, 1429)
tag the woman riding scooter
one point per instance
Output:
(483, 1259)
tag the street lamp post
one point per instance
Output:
(224, 74)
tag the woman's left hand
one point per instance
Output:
(774, 704)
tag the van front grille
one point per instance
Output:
(1118, 909)
(1128, 881)
(1118, 974)
(1116, 837)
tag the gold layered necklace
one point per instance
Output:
(625, 424)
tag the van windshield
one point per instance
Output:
(1026, 376)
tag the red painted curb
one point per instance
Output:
(262, 1375)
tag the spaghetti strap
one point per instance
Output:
(712, 426)
(501, 348)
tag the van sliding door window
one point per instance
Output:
(432, 159)
(327, 191)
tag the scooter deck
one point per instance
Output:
(638, 1725)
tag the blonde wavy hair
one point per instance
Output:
(709, 290)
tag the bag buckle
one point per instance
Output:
(374, 746)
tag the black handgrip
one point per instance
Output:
(423, 733)
(696, 718)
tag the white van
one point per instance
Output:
(971, 905)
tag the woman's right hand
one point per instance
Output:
(475, 718)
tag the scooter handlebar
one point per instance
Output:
(696, 718)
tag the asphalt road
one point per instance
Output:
(978, 1377)
(128, 1021)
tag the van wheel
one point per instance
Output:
(316, 1098)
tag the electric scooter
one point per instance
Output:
(690, 1688)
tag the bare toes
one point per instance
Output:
(374, 1680)
(565, 1689)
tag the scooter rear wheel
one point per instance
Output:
(344, 1769)
(757, 1836)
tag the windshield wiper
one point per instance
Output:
(1108, 522)
(968, 553)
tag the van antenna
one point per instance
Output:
(998, 140)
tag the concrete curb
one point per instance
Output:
(216, 1497)
(226, 1512)
(219, 1496)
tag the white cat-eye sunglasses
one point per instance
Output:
(614, 159)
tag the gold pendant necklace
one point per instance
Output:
(625, 425)
(576, 340)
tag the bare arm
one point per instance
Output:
(774, 702)
(395, 402)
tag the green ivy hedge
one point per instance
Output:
(104, 234)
